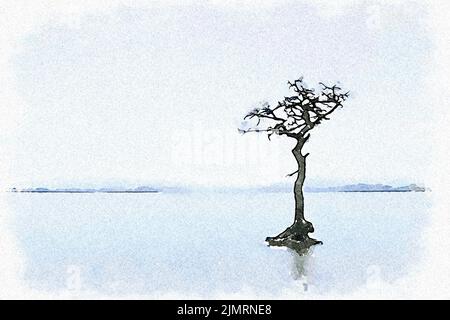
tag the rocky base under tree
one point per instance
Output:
(295, 237)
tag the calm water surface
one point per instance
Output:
(213, 243)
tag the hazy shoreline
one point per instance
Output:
(361, 187)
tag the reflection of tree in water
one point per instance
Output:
(300, 260)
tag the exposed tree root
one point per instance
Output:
(295, 237)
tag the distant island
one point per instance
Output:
(362, 187)
(143, 189)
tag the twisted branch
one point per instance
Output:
(296, 115)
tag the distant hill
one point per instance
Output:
(362, 187)
(142, 189)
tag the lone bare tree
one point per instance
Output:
(294, 117)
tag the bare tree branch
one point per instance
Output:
(296, 115)
(291, 174)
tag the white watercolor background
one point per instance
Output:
(430, 280)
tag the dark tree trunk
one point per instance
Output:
(296, 236)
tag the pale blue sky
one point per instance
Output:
(139, 95)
